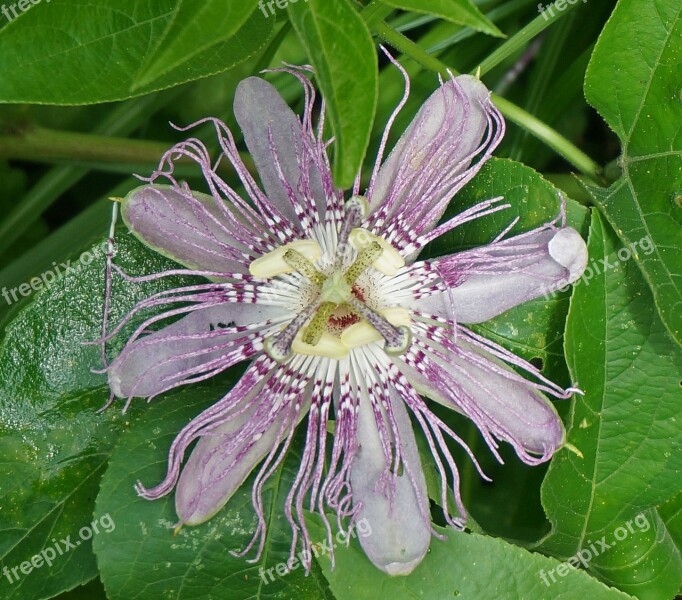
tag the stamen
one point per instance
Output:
(398, 339)
(389, 260)
(362, 333)
(279, 347)
(300, 263)
(328, 346)
(317, 326)
(367, 256)
(273, 263)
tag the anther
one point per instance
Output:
(367, 256)
(273, 263)
(300, 263)
(278, 347)
(398, 338)
(317, 326)
(389, 260)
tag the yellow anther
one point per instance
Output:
(363, 333)
(397, 315)
(273, 263)
(359, 334)
(328, 346)
(389, 260)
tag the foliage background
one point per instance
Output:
(593, 97)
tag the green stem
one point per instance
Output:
(122, 120)
(48, 145)
(549, 136)
(514, 113)
(523, 36)
(375, 12)
(39, 144)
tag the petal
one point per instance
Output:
(188, 228)
(488, 281)
(155, 363)
(211, 476)
(491, 394)
(274, 136)
(400, 535)
(432, 159)
(226, 455)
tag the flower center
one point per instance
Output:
(336, 289)
(339, 317)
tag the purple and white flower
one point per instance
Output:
(323, 293)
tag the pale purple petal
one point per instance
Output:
(225, 456)
(455, 127)
(501, 403)
(487, 281)
(191, 228)
(204, 342)
(390, 504)
(290, 161)
(249, 395)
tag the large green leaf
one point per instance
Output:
(633, 80)
(143, 559)
(196, 25)
(464, 566)
(341, 49)
(53, 443)
(626, 428)
(462, 12)
(72, 52)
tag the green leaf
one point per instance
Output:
(341, 49)
(54, 444)
(671, 513)
(196, 25)
(464, 566)
(642, 560)
(462, 12)
(633, 81)
(143, 559)
(90, 591)
(626, 427)
(116, 49)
